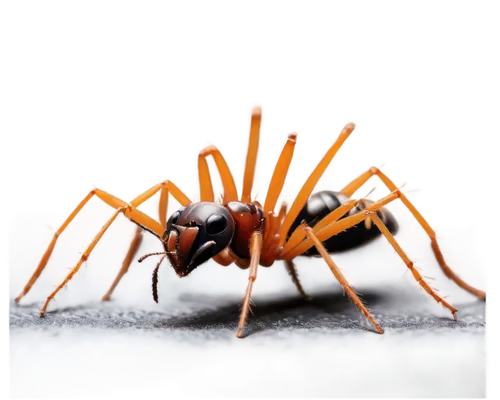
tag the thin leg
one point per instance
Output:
(349, 190)
(280, 173)
(206, 188)
(338, 226)
(253, 147)
(272, 224)
(388, 182)
(173, 189)
(322, 234)
(381, 226)
(295, 278)
(134, 246)
(167, 187)
(132, 211)
(255, 250)
(343, 282)
(299, 234)
(83, 258)
(361, 180)
(364, 177)
(311, 182)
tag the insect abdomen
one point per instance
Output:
(322, 203)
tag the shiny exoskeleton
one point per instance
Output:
(322, 203)
(200, 231)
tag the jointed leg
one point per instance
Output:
(134, 246)
(340, 225)
(328, 231)
(322, 251)
(253, 147)
(167, 187)
(206, 188)
(311, 182)
(133, 214)
(381, 226)
(352, 187)
(255, 250)
(349, 190)
(160, 214)
(83, 258)
(131, 210)
(299, 234)
(295, 278)
(270, 239)
(424, 222)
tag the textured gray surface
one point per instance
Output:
(83, 345)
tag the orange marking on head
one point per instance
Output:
(186, 240)
(172, 241)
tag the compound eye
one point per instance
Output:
(173, 218)
(216, 224)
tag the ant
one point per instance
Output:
(241, 231)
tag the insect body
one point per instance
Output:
(249, 234)
(200, 231)
(197, 233)
(322, 203)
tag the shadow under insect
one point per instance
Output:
(325, 310)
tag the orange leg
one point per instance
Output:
(166, 188)
(345, 223)
(311, 182)
(253, 147)
(358, 182)
(343, 282)
(333, 228)
(207, 191)
(295, 278)
(361, 179)
(131, 210)
(272, 225)
(388, 182)
(381, 226)
(255, 250)
(84, 256)
(206, 188)
(133, 214)
(134, 246)
(280, 173)
(299, 234)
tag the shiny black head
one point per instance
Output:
(195, 234)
